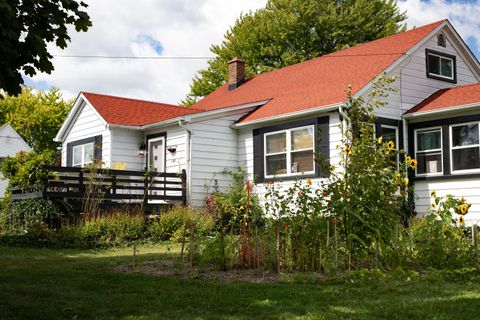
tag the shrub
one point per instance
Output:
(167, 224)
(23, 215)
(112, 229)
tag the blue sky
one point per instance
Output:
(185, 28)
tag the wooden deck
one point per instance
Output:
(151, 190)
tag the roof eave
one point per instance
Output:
(420, 114)
(307, 112)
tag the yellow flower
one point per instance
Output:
(390, 145)
(413, 163)
(346, 150)
(434, 206)
(405, 181)
(461, 220)
(309, 182)
(433, 194)
(398, 176)
(408, 159)
(463, 208)
(380, 140)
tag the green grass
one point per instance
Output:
(74, 284)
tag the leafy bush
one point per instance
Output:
(221, 253)
(113, 229)
(167, 224)
(23, 215)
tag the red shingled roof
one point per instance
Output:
(133, 112)
(318, 82)
(450, 97)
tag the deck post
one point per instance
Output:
(184, 187)
(146, 183)
(81, 188)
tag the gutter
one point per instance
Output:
(441, 111)
(188, 156)
(327, 108)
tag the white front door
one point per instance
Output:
(156, 151)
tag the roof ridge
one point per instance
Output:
(332, 54)
(139, 100)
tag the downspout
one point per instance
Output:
(188, 157)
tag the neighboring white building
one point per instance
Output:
(273, 124)
(10, 144)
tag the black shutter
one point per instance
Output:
(258, 171)
(97, 156)
(323, 140)
(69, 154)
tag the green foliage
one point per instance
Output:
(167, 224)
(286, 32)
(439, 242)
(369, 187)
(27, 28)
(114, 229)
(217, 252)
(31, 215)
(25, 168)
(36, 116)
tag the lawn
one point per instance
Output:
(74, 284)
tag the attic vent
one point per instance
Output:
(441, 41)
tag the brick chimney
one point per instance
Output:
(236, 73)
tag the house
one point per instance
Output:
(273, 123)
(10, 144)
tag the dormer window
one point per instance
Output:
(441, 66)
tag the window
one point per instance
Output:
(389, 133)
(465, 147)
(82, 154)
(289, 152)
(428, 151)
(441, 66)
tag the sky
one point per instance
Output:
(184, 28)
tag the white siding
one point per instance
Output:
(467, 187)
(214, 150)
(86, 125)
(125, 148)
(245, 151)
(414, 85)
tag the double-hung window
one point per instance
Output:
(465, 147)
(290, 152)
(441, 66)
(428, 151)
(82, 154)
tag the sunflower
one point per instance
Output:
(461, 220)
(463, 208)
(346, 150)
(391, 145)
(433, 194)
(434, 206)
(398, 176)
(380, 140)
(408, 159)
(309, 182)
(405, 182)
(413, 163)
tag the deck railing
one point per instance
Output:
(110, 185)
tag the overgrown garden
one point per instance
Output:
(360, 217)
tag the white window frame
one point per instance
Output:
(397, 138)
(288, 151)
(431, 150)
(440, 66)
(451, 147)
(82, 162)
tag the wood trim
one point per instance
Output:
(97, 147)
(322, 146)
(441, 54)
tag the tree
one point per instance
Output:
(36, 116)
(290, 31)
(26, 27)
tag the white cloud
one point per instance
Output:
(124, 28)
(464, 16)
(183, 28)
